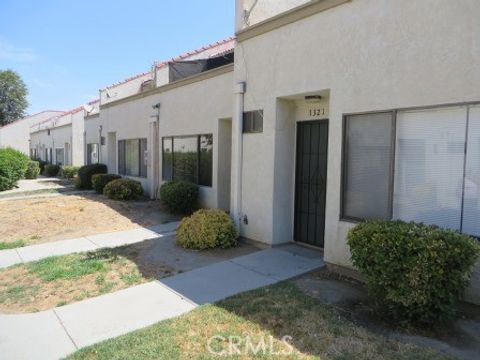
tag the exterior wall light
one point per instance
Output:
(313, 99)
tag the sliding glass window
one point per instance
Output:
(188, 158)
(132, 157)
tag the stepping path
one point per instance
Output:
(87, 243)
(56, 333)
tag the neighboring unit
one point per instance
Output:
(17, 133)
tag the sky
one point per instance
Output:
(66, 50)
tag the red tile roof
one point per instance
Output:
(223, 46)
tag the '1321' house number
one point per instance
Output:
(316, 112)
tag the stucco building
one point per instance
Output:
(320, 114)
(17, 134)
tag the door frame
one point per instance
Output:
(295, 170)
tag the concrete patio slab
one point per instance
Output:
(216, 282)
(33, 336)
(9, 258)
(41, 251)
(281, 264)
(100, 318)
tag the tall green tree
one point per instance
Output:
(13, 97)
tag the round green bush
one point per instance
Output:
(179, 196)
(99, 181)
(13, 165)
(33, 170)
(85, 173)
(69, 172)
(123, 189)
(206, 229)
(51, 170)
(415, 273)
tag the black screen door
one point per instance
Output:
(310, 182)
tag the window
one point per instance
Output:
(92, 154)
(59, 156)
(188, 158)
(428, 176)
(253, 121)
(132, 154)
(368, 153)
(167, 159)
(414, 165)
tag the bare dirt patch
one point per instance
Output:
(40, 220)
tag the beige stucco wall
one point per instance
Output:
(192, 109)
(251, 12)
(370, 55)
(17, 134)
(77, 130)
(124, 89)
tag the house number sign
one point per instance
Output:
(316, 112)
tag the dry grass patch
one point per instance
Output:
(318, 332)
(60, 280)
(42, 220)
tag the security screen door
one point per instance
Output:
(310, 182)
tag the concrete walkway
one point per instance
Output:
(56, 333)
(87, 243)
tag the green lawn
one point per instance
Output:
(12, 245)
(60, 280)
(317, 331)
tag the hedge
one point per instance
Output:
(99, 181)
(179, 196)
(13, 166)
(85, 173)
(51, 170)
(69, 172)
(416, 273)
(207, 229)
(33, 170)
(123, 189)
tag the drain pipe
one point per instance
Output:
(239, 91)
(154, 151)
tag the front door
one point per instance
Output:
(311, 182)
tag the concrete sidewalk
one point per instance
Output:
(56, 333)
(87, 243)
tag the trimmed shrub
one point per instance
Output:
(179, 196)
(99, 181)
(33, 170)
(123, 189)
(13, 165)
(69, 172)
(207, 229)
(51, 170)
(42, 165)
(416, 273)
(85, 173)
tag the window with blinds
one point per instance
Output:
(368, 156)
(416, 165)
